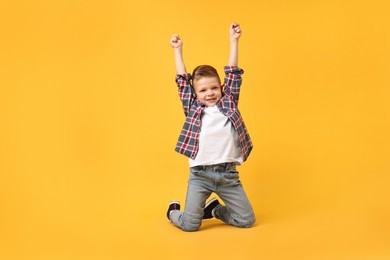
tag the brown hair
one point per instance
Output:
(205, 71)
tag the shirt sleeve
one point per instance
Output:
(186, 92)
(233, 82)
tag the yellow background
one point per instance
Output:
(89, 116)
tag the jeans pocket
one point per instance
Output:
(196, 174)
(231, 176)
(231, 179)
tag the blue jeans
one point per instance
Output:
(223, 179)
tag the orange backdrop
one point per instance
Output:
(90, 116)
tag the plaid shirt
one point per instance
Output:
(189, 137)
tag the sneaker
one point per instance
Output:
(174, 205)
(210, 206)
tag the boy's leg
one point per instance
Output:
(197, 193)
(238, 210)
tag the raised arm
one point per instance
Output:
(177, 45)
(186, 93)
(235, 34)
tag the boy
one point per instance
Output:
(215, 139)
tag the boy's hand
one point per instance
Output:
(175, 41)
(176, 44)
(235, 34)
(235, 31)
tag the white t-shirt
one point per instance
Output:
(218, 140)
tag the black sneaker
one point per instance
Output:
(174, 205)
(208, 209)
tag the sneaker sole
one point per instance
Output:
(175, 208)
(174, 202)
(210, 201)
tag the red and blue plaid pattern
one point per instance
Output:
(189, 136)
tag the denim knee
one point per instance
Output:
(191, 224)
(190, 228)
(246, 222)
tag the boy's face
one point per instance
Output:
(208, 90)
